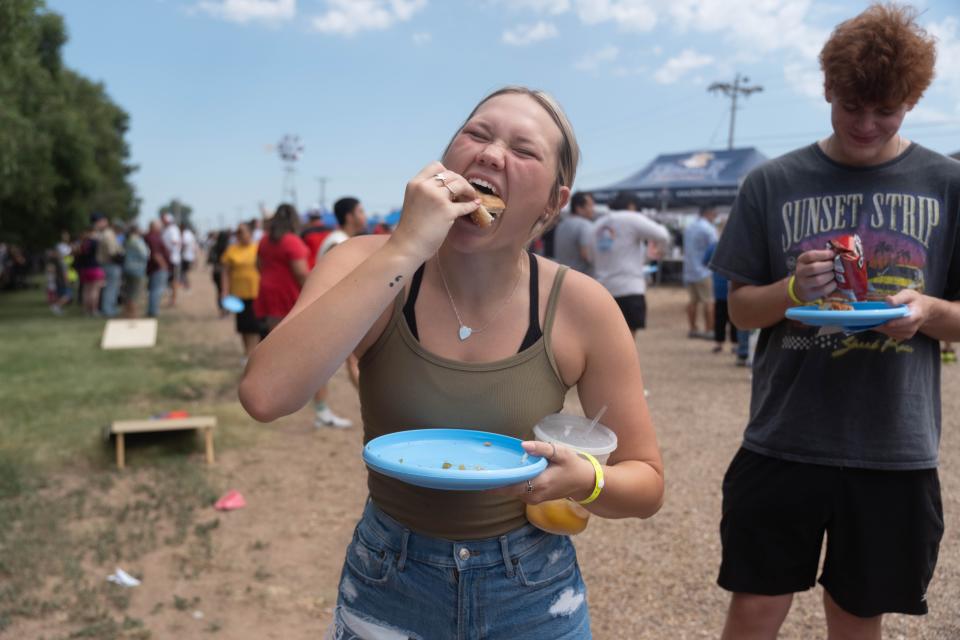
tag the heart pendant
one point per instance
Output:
(465, 332)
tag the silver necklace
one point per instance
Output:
(465, 331)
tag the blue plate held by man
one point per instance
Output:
(864, 315)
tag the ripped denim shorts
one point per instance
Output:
(399, 585)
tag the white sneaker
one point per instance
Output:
(327, 418)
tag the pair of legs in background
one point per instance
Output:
(701, 297)
(883, 532)
(722, 324)
(323, 415)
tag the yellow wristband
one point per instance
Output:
(598, 478)
(792, 293)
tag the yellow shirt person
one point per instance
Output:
(241, 263)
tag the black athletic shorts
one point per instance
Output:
(247, 322)
(883, 532)
(634, 309)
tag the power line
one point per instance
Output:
(926, 127)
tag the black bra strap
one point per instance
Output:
(534, 332)
(533, 327)
(408, 308)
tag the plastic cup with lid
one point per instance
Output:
(562, 516)
(577, 433)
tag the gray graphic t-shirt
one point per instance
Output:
(860, 400)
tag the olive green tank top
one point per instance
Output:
(403, 386)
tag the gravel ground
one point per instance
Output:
(656, 578)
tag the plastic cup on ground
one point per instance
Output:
(562, 516)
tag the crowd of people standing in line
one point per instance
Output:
(267, 273)
(621, 247)
(111, 266)
(113, 269)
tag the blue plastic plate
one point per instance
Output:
(233, 304)
(865, 315)
(474, 460)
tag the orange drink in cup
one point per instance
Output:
(562, 516)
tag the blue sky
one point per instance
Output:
(375, 88)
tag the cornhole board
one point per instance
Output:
(129, 334)
(204, 423)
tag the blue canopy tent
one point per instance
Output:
(393, 218)
(687, 179)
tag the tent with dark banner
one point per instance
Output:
(687, 179)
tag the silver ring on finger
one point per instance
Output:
(553, 454)
(453, 194)
(441, 178)
(529, 486)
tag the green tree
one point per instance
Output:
(62, 149)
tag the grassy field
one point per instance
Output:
(59, 388)
(63, 515)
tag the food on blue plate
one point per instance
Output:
(835, 305)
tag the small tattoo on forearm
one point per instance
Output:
(396, 280)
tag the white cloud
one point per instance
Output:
(757, 25)
(592, 60)
(929, 115)
(805, 78)
(349, 17)
(758, 29)
(948, 57)
(243, 11)
(787, 32)
(524, 35)
(422, 38)
(630, 15)
(550, 7)
(675, 68)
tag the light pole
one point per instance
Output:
(733, 91)
(290, 148)
(322, 181)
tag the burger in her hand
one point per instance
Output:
(490, 207)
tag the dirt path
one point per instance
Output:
(276, 563)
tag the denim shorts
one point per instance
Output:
(397, 584)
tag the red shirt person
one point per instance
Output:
(313, 235)
(282, 258)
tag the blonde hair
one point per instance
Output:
(568, 155)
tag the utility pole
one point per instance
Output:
(733, 91)
(290, 149)
(322, 181)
